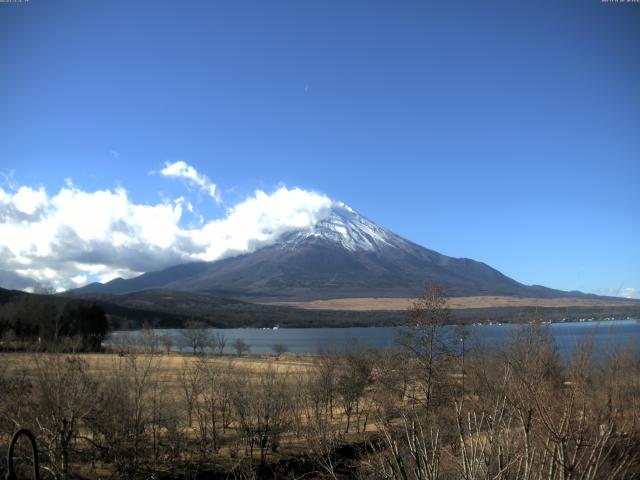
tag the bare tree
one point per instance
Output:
(263, 417)
(64, 395)
(211, 402)
(149, 340)
(324, 385)
(127, 404)
(353, 378)
(241, 347)
(279, 349)
(425, 341)
(392, 378)
(195, 336)
(189, 379)
(141, 370)
(411, 451)
(220, 342)
(167, 342)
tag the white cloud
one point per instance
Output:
(259, 221)
(79, 279)
(183, 170)
(74, 237)
(27, 200)
(628, 292)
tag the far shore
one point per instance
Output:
(369, 304)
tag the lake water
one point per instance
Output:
(603, 335)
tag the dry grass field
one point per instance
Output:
(341, 416)
(166, 367)
(397, 304)
(172, 376)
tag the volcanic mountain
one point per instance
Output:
(344, 255)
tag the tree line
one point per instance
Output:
(44, 322)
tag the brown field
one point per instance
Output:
(395, 304)
(167, 370)
(166, 366)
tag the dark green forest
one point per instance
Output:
(45, 320)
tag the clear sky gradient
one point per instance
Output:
(503, 131)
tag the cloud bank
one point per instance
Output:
(74, 237)
(629, 292)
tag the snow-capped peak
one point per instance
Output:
(346, 227)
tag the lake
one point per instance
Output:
(603, 335)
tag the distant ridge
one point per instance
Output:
(344, 255)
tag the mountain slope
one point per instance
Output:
(344, 255)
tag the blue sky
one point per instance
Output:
(500, 131)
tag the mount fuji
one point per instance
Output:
(343, 255)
